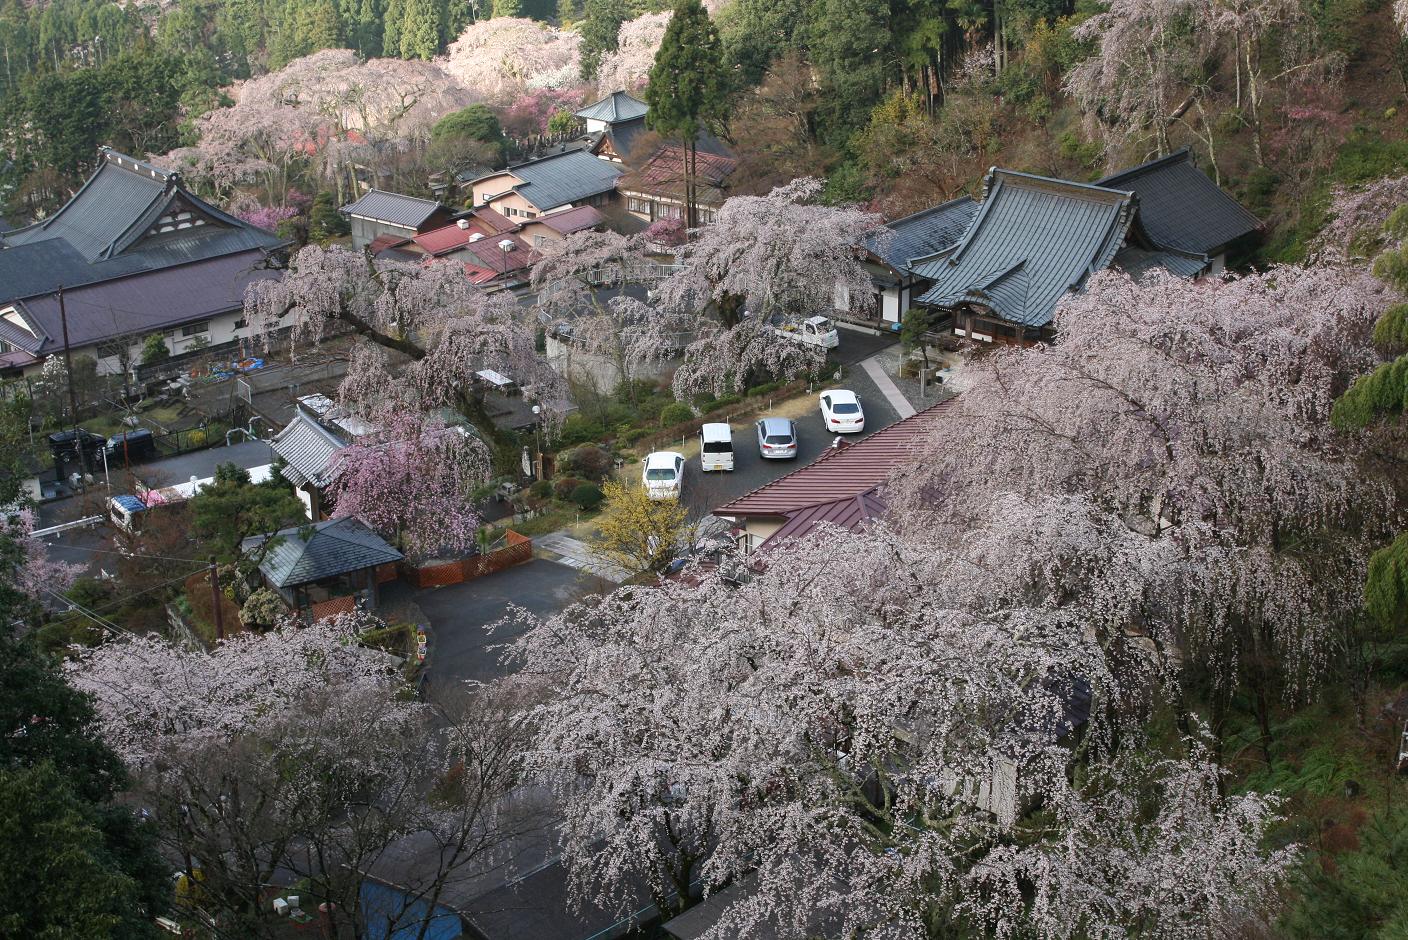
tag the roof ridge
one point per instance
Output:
(949, 204)
(1056, 181)
(1177, 156)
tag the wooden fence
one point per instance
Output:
(338, 605)
(518, 550)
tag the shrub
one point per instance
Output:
(578, 429)
(587, 461)
(588, 496)
(563, 488)
(633, 435)
(675, 413)
(767, 388)
(541, 489)
(728, 401)
(262, 609)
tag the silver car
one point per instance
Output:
(777, 438)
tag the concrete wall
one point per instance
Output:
(598, 371)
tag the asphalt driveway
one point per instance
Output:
(462, 646)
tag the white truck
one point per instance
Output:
(813, 331)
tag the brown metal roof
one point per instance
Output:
(838, 476)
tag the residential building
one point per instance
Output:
(564, 180)
(326, 568)
(556, 226)
(842, 487)
(888, 255)
(657, 189)
(132, 253)
(379, 213)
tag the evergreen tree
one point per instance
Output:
(843, 38)
(508, 8)
(421, 29)
(688, 88)
(395, 19)
(599, 29)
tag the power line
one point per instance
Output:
(109, 551)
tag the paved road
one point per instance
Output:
(704, 492)
(462, 646)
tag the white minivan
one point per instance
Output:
(716, 447)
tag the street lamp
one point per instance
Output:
(537, 439)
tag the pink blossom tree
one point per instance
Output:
(440, 328)
(411, 480)
(631, 334)
(627, 67)
(39, 576)
(297, 751)
(781, 258)
(865, 741)
(1191, 417)
(505, 56)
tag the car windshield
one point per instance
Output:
(778, 439)
(823, 325)
(660, 473)
(845, 408)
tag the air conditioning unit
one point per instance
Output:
(463, 224)
(476, 236)
(506, 245)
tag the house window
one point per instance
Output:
(638, 205)
(539, 241)
(530, 215)
(241, 323)
(195, 329)
(668, 211)
(706, 215)
(110, 349)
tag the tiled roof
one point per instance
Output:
(1179, 207)
(1033, 241)
(493, 219)
(838, 476)
(310, 553)
(105, 231)
(1136, 262)
(385, 241)
(617, 106)
(393, 208)
(308, 449)
(664, 174)
(566, 177)
(573, 220)
(488, 254)
(926, 233)
(150, 301)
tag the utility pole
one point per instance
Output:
(216, 599)
(72, 394)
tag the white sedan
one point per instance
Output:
(663, 476)
(841, 412)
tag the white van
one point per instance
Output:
(716, 447)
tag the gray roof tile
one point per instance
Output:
(1179, 207)
(568, 177)
(615, 107)
(310, 553)
(1136, 262)
(1033, 240)
(926, 233)
(308, 449)
(393, 208)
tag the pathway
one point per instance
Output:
(875, 368)
(562, 547)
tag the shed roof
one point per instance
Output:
(925, 233)
(393, 208)
(308, 449)
(833, 482)
(1034, 240)
(563, 178)
(1180, 207)
(149, 301)
(1136, 262)
(617, 106)
(304, 554)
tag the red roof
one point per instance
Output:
(573, 220)
(383, 242)
(828, 489)
(494, 220)
(488, 254)
(667, 166)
